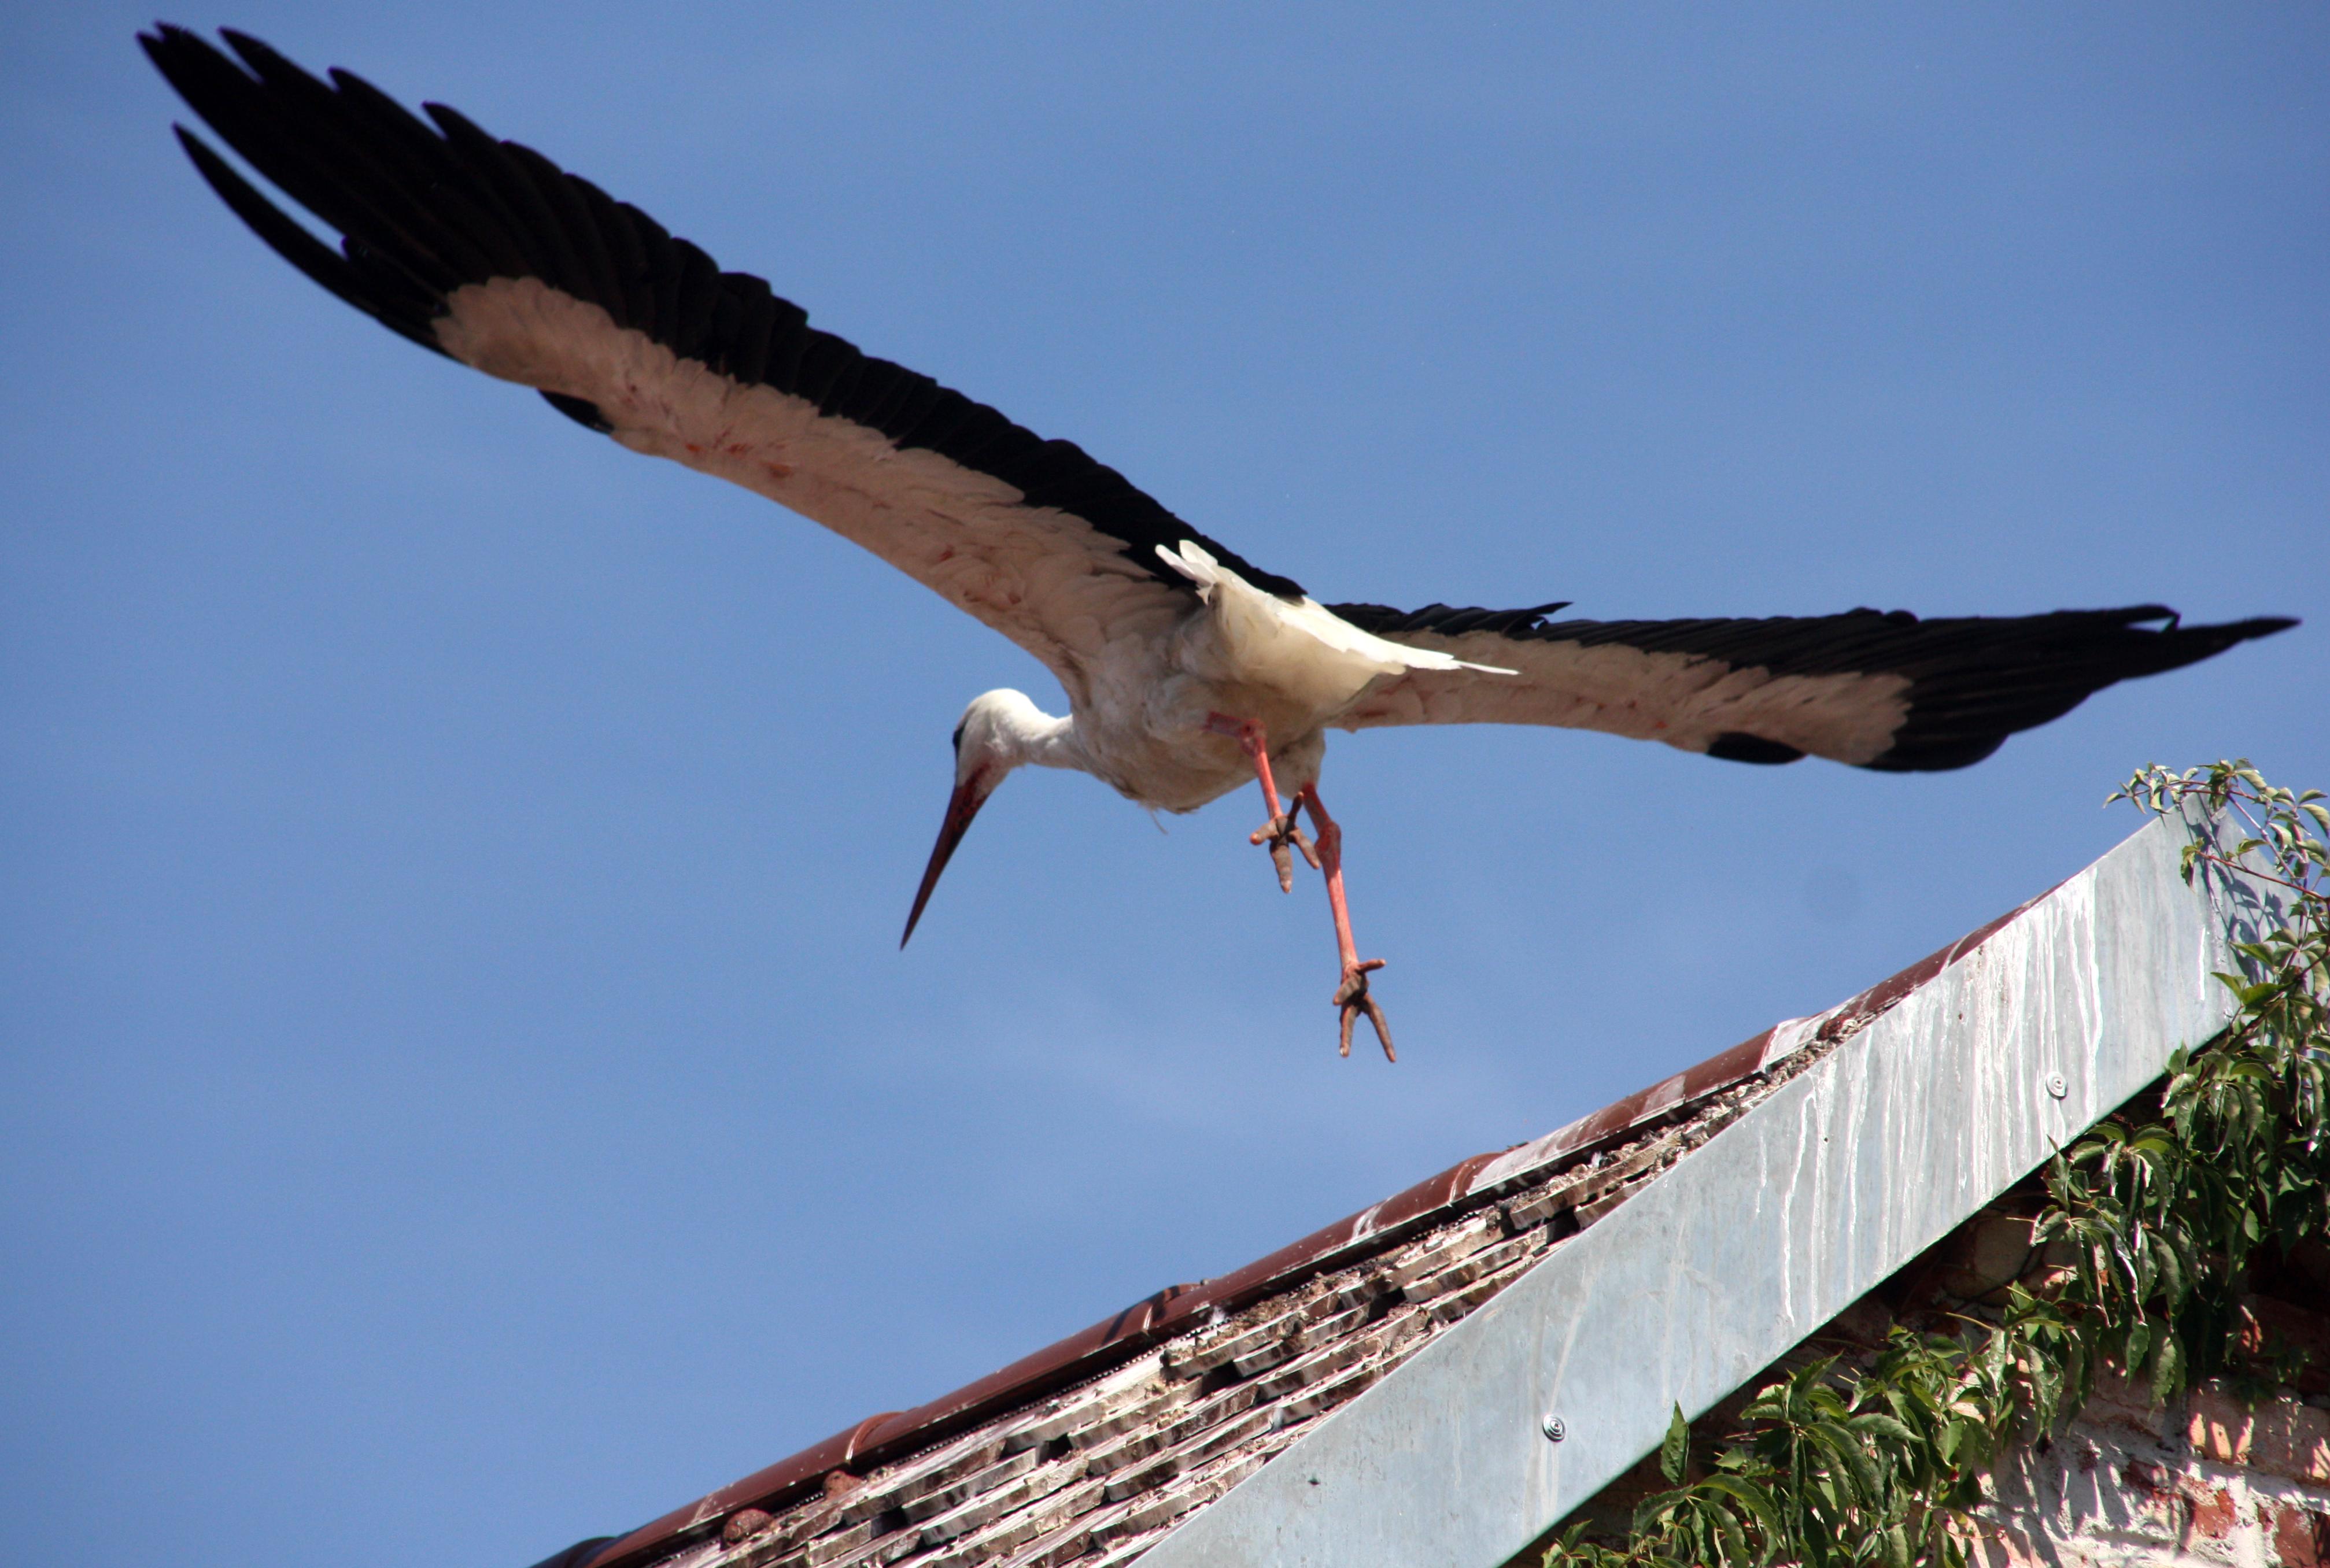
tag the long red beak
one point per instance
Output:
(962, 806)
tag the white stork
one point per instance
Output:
(1187, 670)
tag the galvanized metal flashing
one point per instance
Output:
(1800, 1208)
(1181, 1310)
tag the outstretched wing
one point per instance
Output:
(1880, 690)
(485, 251)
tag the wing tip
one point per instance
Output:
(1962, 716)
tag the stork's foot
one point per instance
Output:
(1351, 998)
(1278, 833)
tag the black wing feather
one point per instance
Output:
(1971, 680)
(424, 213)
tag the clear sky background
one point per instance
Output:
(462, 1092)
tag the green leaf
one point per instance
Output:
(1675, 1453)
(1854, 1458)
(1864, 1462)
(1886, 1427)
(2168, 1371)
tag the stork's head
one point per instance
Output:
(998, 733)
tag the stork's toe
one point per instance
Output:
(1351, 999)
(1278, 833)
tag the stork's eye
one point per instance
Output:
(958, 736)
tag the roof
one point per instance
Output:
(1325, 1316)
(1102, 1446)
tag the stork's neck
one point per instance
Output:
(1006, 728)
(1038, 737)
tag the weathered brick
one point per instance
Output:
(961, 1522)
(1589, 1212)
(1123, 1453)
(1524, 1214)
(1504, 1253)
(1133, 1415)
(1154, 1436)
(1439, 1282)
(1401, 1274)
(1085, 1536)
(1309, 1369)
(991, 1545)
(1146, 1476)
(2219, 1428)
(1238, 1469)
(1021, 1495)
(2272, 1326)
(1455, 1306)
(1050, 1517)
(1143, 1518)
(1207, 1416)
(884, 1549)
(2301, 1537)
(1035, 1433)
(2116, 1402)
(937, 1500)
(893, 1486)
(832, 1548)
(1344, 1321)
(1327, 1396)
(2280, 1437)
(1221, 1407)
(1994, 1545)
(1504, 1274)
(1203, 1447)
(1064, 1544)
(1197, 1361)
(2214, 1511)
(1199, 1449)
(1263, 1358)
(1595, 1184)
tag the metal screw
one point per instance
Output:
(2056, 1086)
(1554, 1427)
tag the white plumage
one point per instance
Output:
(1187, 670)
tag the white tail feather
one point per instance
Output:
(1311, 618)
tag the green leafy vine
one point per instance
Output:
(2155, 1222)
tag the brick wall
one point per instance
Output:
(2210, 1481)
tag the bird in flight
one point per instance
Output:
(1189, 671)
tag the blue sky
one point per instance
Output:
(463, 1092)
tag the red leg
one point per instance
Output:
(1280, 831)
(1351, 997)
